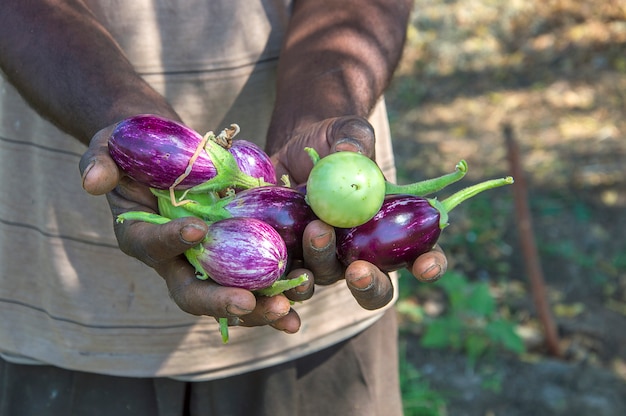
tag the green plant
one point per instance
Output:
(471, 323)
(418, 399)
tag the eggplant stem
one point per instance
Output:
(455, 199)
(142, 216)
(225, 138)
(214, 212)
(315, 157)
(228, 173)
(428, 186)
(281, 286)
(224, 329)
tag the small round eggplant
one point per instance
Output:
(253, 161)
(241, 252)
(405, 227)
(155, 151)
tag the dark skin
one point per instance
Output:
(336, 62)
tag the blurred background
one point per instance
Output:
(554, 72)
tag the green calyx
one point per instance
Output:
(228, 173)
(206, 205)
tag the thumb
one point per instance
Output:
(346, 133)
(351, 133)
(98, 170)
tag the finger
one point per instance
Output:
(429, 267)
(354, 134)
(98, 171)
(319, 253)
(305, 290)
(204, 297)
(349, 133)
(371, 288)
(291, 159)
(131, 196)
(155, 244)
(289, 323)
(268, 310)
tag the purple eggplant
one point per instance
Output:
(301, 188)
(241, 252)
(237, 252)
(285, 209)
(405, 227)
(155, 151)
(253, 161)
(164, 154)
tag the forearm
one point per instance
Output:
(69, 68)
(337, 60)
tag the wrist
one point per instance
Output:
(138, 98)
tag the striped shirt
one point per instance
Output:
(68, 296)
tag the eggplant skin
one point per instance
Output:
(405, 227)
(253, 161)
(285, 209)
(243, 252)
(155, 151)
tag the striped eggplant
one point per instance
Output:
(165, 154)
(241, 252)
(252, 160)
(285, 209)
(155, 151)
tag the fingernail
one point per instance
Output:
(363, 282)
(348, 145)
(234, 321)
(321, 241)
(273, 316)
(86, 172)
(304, 287)
(192, 233)
(236, 310)
(432, 273)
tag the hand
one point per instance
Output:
(349, 133)
(162, 246)
(370, 286)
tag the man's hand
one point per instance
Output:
(370, 286)
(354, 134)
(162, 246)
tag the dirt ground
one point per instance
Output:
(555, 70)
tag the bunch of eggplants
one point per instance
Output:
(255, 224)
